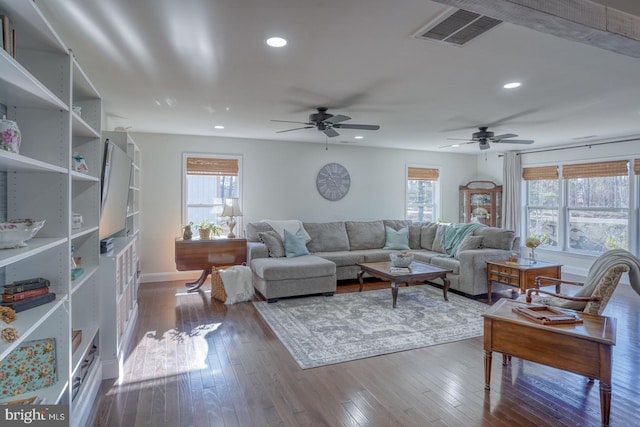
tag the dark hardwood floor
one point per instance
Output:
(194, 362)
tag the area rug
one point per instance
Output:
(320, 330)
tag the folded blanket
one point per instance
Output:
(237, 283)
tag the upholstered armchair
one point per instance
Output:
(598, 287)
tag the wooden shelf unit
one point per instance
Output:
(481, 201)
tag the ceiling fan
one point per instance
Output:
(327, 123)
(483, 137)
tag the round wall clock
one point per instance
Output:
(333, 181)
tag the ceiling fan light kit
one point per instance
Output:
(327, 123)
(483, 137)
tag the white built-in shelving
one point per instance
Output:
(39, 88)
(119, 270)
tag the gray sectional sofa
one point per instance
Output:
(335, 247)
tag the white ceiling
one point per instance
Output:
(182, 67)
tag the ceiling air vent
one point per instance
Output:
(457, 26)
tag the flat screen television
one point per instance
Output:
(115, 179)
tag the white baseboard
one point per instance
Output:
(169, 276)
(110, 368)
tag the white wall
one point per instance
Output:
(278, 182)
(491, 169)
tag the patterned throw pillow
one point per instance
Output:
(273, 242)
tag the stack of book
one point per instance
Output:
(25, 294)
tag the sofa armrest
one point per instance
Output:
(473, 268)
(256, 250)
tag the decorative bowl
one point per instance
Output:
(401, 259)
(15, 232)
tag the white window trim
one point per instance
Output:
(437, 201)
(185, 155)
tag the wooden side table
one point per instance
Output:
(583, 348)
(203, 255)
(521, 274)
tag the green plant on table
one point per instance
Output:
(208, 227)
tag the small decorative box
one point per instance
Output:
(31, 366)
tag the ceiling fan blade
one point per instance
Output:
(337, 119)
(457, 145)
(460, 139)
(515, 141)
(354, 126)
(330, 132)
(291, 121)
(504, 136)
(289, 130)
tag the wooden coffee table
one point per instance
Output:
(419, 272)
(582, 348)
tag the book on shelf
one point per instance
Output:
(24, 295)
(8, 35)
(26, 285)
(28, 303)
(76, 339)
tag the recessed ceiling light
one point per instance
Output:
(512, 85)
(219, 127)
(276, 42)
(358, 137)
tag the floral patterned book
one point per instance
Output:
(30, 366)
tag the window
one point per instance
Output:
(584, 208)
(543, 203)
(422, 186)
(597, 205)
(209, 180)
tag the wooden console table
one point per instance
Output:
(582, 348)
(521, 274)
(205, 254)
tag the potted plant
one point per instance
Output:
(204, 229)
(216, 230)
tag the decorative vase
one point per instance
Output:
(204, 233)
(533, 255)
(10, 137)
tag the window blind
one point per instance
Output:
(423, 174)
(212, 166)
(594, 170)
(636, 166)
(540, 173)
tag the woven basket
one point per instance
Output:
(217, 287)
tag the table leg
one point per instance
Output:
(394, 292)
(193, 286)
(605, 402)
(361, 279)
(487, 369)
(445, 288)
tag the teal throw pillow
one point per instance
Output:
(295, 244)
(398, 240)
